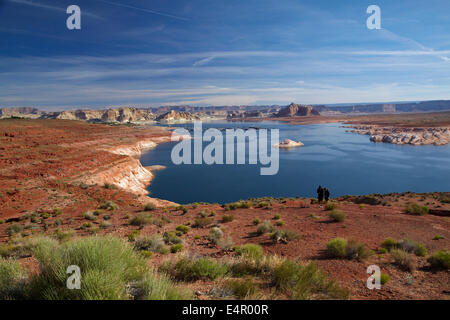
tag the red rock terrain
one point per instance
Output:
(53, 164)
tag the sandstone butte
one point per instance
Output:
(288, 143)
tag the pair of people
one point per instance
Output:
(321, 193)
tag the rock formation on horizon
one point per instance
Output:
(294, 110)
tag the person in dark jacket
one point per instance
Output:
(326, 193)
(320, 194)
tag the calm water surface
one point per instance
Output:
(346, 163)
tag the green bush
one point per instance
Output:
(192, 269)
(141, 219)
(279, 223)
(337, 248)
(415, 209)
(241, 288)
(438, 237)
(171, 238)
(337, 215)
(215, 234)
(249, 250)
(284, 236)
(182, 228)
(389, 244)
(403, 259)
(330, 206)
(265, 227)
(384, 278)
(109, 205)
(149, 207)
(12, 279)
(176, 248)
(155, 244)
(227, 218)
(357, 250)
(440, 260)
(277, 217)
(256, 221)
(105, 224)
(412, 246)
(133, 235)
(225, 243)
(14, 229)
(89, 216)
(202, 222)
(302, 282)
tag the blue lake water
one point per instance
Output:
(346, 163)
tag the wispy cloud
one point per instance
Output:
(164, 14)
(50, 7)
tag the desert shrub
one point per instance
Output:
(277, 217)
(337, 215)
(367, 199)
(256, 221)
(337, 248)
(412, 246)
(383, 251)
(14, 229)
(89, 216)
(182, 228)
(241, 288)
(45, 215)
(389, 244)
(215, 234)
(12, 279)
(341, 248)
(108, 264)
(197, 237)
(133, 235)
(57, 211)
(330, 206)
(105, 224)
(403, 259)
(284, 236)
(249, 250)
(109, 205)
(238, 205)
(192, 269)
(86, 225)
(63, 235)
(279, 223)
(384, 278)
(109, 186)
(98, 212)
(176, 248)
(227, 218)
(202, 222)
(141, 219)
(149, 207)
(415, 209)
(106, 217)
(155, 244)
(265, 227)
(440, 260)
(225, 243)
(159, 287)
(111, 269)
(357, 250)
(438, 237)
(306, 282)
(171, 238)
(313, 215)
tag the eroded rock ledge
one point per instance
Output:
(415, 136)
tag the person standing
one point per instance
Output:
(326, 193)
(320, 194)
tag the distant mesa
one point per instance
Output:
(288, 143)
(296, 110)
(174, 117)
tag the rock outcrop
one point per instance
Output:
(288, 143)
(295, 110)
(414, 136)
(176, 117)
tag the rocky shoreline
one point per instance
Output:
(397, 135)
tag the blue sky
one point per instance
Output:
(211, 52)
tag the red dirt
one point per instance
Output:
(37, 174)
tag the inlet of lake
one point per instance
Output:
(346, 163)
